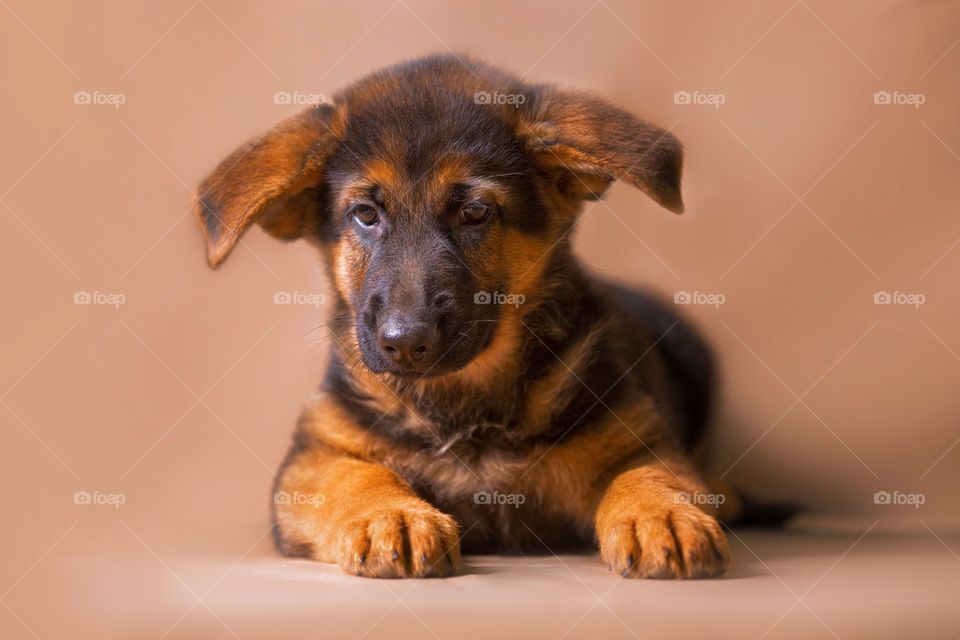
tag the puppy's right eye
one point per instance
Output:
(366, 215)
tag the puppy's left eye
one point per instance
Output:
(366, 215)
(474, 213)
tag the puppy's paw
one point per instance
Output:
(400, 542)
(673, 541)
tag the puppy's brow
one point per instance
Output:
(484, 187)
(380, 171)
(356, 187)
(459, 192)
(375, 193)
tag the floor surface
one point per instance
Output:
(850, 584)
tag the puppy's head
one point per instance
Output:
(437, 190)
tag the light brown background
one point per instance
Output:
(804, 198)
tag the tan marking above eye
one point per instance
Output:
(488, 190)
(382, 172)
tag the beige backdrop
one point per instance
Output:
(806, 196)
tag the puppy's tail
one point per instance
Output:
(739, 509)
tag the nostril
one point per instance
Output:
(392, 352)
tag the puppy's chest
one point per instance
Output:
(494, 469)
(500, 497)
(455, 451)
(483, 471)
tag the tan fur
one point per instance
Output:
(648, 526)
(268, 172)
(388, 533)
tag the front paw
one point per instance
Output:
(668, 541)
(400, 542)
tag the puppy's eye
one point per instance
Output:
(474, 213)
(366, 215)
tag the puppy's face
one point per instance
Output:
(423, 209)
(433, 205)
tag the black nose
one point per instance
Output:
(407, 340)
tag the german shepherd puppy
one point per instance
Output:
(483, 393)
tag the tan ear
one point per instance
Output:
(268, 180)
(588, 143)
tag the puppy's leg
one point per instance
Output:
(651, 524)
(361, 516)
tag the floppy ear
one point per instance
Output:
(586, 144)
(267, 180)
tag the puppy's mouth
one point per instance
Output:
(414, 374)
(407, 372)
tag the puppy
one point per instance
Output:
(484, 393)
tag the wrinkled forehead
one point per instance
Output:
(424, 157)
(394, 186)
